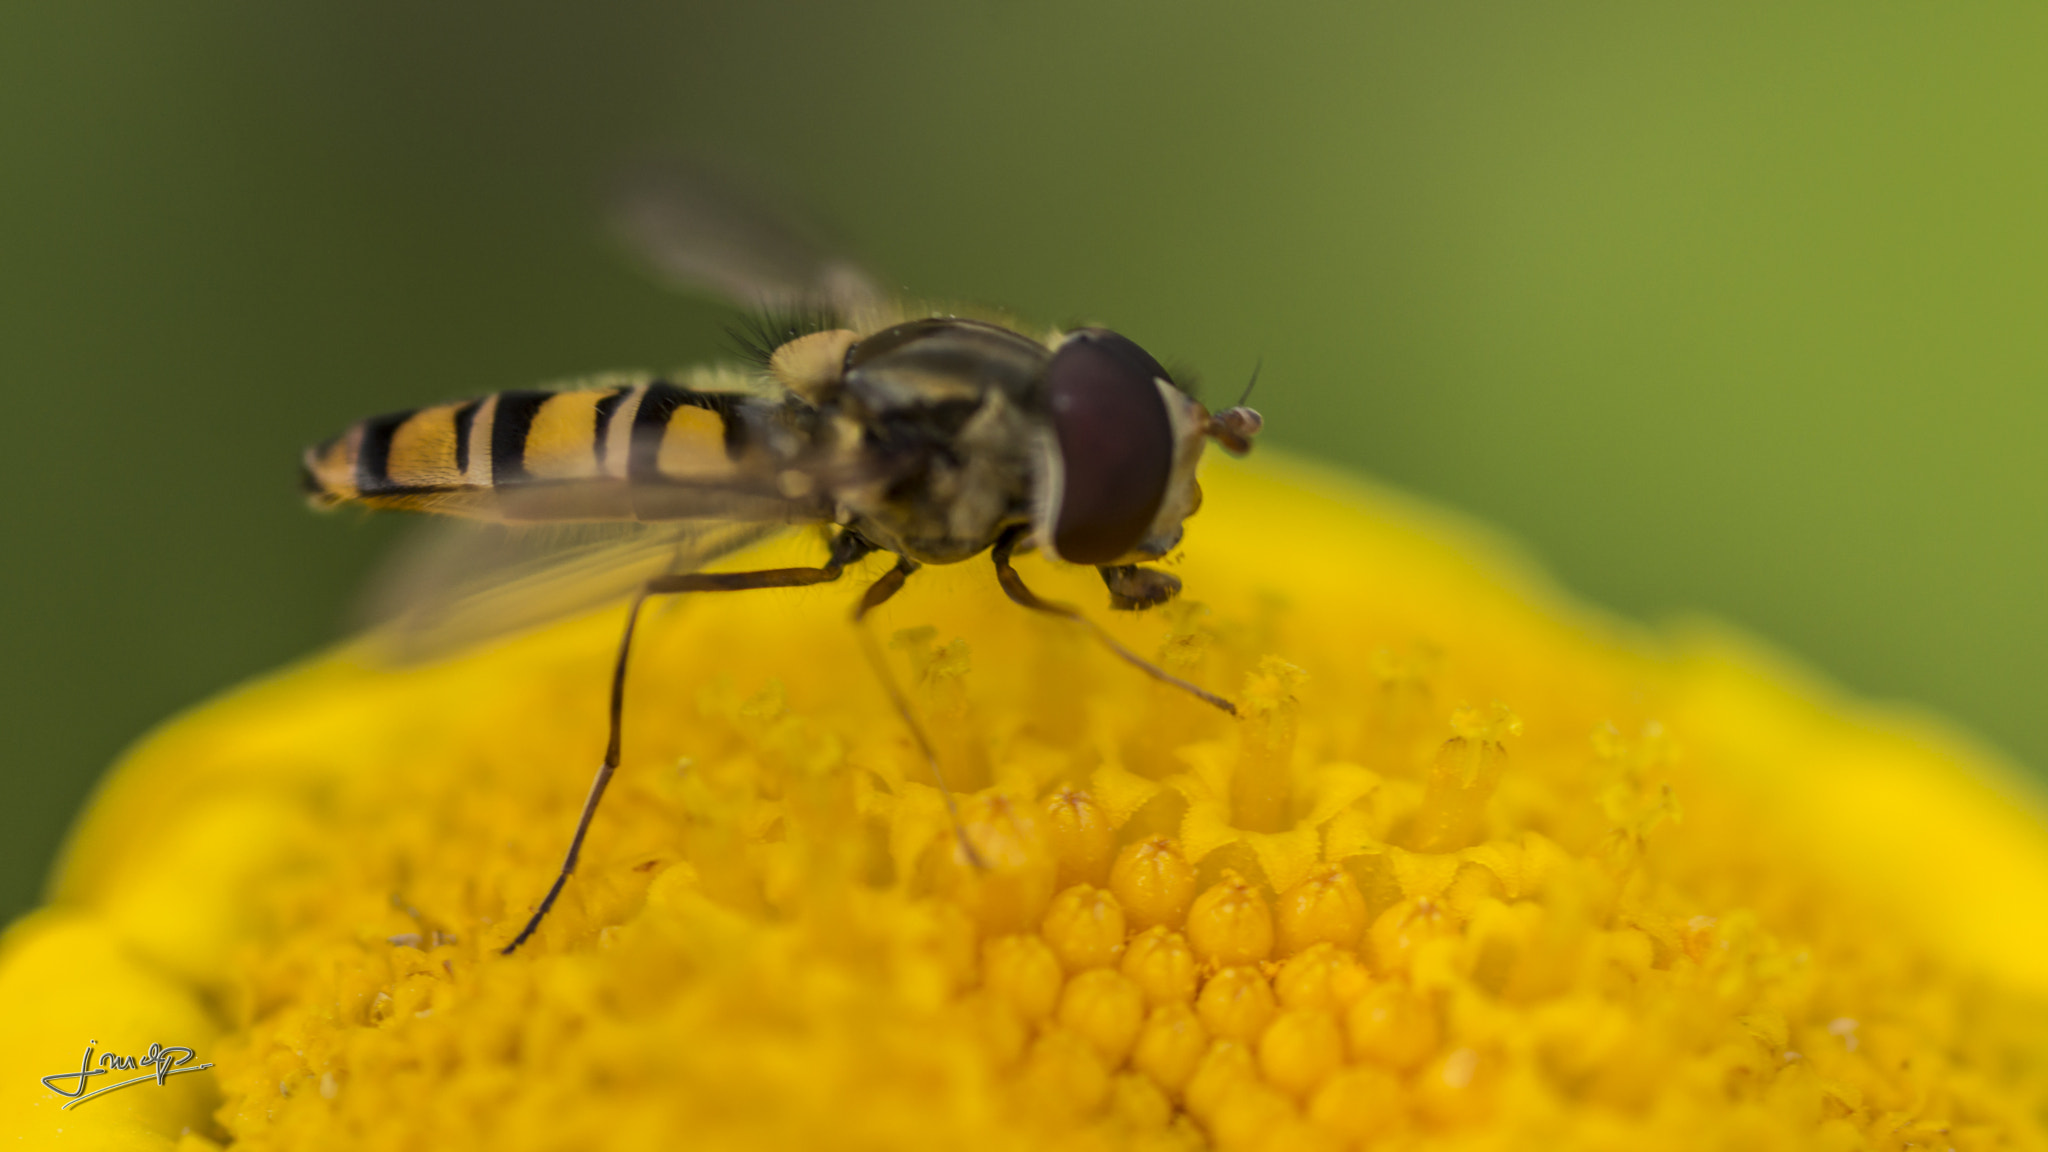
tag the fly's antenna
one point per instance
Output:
(1235, 426)
(1251, 383)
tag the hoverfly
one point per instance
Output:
(931, 437)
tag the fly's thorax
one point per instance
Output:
(940, 484)
(948, 414)
(940, 361)
(813, 366)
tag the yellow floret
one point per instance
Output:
(1163, 965)
(1106, 1008)
(1083, 839)
(1324, 908)
(1085, 928)
(1236, 1003)
(1153, 882)
(1470, 870)
(1230, 923)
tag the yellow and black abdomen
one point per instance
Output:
(649, 451)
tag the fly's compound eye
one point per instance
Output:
(1115, 444)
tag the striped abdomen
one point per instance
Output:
(650, 451)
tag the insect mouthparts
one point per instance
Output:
(1233, 428)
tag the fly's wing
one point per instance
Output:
(703, 233)
(459, 583)
(532, 549)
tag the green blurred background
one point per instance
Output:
(1735, 308)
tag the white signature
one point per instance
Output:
(163, 1060)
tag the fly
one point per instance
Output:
(932, 438)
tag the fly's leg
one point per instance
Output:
(1134, 589)
(1013, 584)
(846, 548)
(878, 592)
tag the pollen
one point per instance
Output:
(1469, 868)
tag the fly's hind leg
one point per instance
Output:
(1013, 584)
(846, 548)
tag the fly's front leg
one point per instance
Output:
(1134, 589)
(890, 583)
(1013, 584)
(846, 548)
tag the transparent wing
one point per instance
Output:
(457, 583)
(703, 232)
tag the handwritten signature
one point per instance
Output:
(164, 1060)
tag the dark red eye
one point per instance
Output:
(1115, 441)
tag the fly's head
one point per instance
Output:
(1117, 473)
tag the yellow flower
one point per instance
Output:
(1473, 869)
